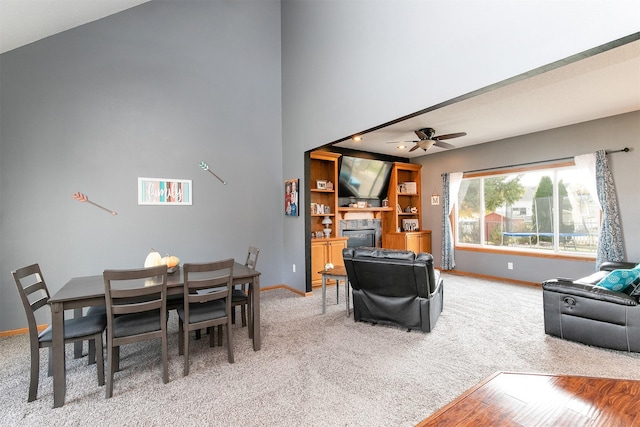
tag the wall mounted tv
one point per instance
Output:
(363, 178)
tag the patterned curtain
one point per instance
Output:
(610, 245)
(450, 187)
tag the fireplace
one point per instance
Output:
(360, 237)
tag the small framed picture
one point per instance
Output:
(410, 224)
(435, 200)
(321, 184)
(291, 197)
(327, 210)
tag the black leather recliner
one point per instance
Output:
(394, 287)
(577, 310)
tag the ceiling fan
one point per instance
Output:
(428, 139)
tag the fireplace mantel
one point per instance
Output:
(377, 211)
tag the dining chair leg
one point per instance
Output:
(116, 358)
(110, 368)
(212, 340)
(92, 352)
(165, 358)
(50, 363)
(35, 372)
(185, 350)
(229, 341)
(180, 338)
(249, 314)
(243, 313)
(99, 355)
(219, 335)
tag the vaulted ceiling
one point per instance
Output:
(602, 82)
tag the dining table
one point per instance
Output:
(87, 291)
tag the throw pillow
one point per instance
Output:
(619, 280)
(634, 289)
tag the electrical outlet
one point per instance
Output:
(294, 268)
(509, 266)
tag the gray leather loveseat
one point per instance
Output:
(394, 287)
(577, 310)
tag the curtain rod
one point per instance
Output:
(625, 150)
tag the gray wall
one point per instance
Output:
(149, 92)
(352, 65)
(610, 133)
(154, 90)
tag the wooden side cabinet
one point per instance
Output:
(416, 241)
(324, 251)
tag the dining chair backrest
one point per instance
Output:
(136, 291)
(252, 257)
(214, 277)
(33, 294)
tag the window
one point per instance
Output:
(548, 210)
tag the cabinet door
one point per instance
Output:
(425, 243)
(335, 252)
(318, 260)
(413, 242)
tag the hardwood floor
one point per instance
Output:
(518, 399)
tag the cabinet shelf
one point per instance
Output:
(317, 190)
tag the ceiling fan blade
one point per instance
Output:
(443, 144)
(402, 142)
(414, 148)
(450, 135)
(421, 134)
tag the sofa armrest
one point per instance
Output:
(588, 291)
(614, 265)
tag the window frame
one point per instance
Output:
(536, 253)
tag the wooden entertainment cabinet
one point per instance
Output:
(323, 167)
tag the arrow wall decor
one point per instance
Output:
(205, 166)
(82, 198)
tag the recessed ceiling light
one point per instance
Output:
(356, 138)
(401, 147)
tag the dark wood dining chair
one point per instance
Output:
(136, 303)
(35, 295)
(240, 294)
(207, 303)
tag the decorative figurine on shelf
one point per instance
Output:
(329, 185)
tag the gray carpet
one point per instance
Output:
(315, 369)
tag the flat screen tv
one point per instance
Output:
(363, 178)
